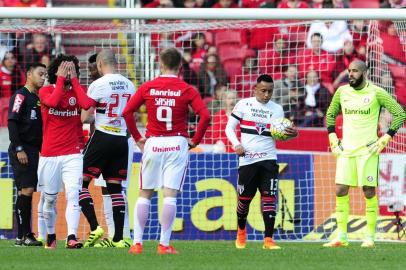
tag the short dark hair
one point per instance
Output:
(33, 66)
(53, 67)
(316, 34)
(92, 58)
(171, 58)
(265, 78)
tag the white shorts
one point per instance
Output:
(164, 163)
(100, 182)
(53, 171)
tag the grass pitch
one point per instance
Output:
(207, 255)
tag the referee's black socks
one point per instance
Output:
(23, 215)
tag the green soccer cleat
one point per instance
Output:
(93, 237)
(107, 243)
(337, 242)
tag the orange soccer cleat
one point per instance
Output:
(166, 250)
(270, 244)
(241, 240)
(135, 249)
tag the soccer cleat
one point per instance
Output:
(94, 236)
(368, 243)
(41, 239)
(135, 249)
(162, 250)
(128, 242)
(270, 244)
(30, 241)
(106, 243)
(241, 240)
(73, 243)
(51, 244)
(337, 242)
(18, 242)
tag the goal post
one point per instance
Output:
(224, 51)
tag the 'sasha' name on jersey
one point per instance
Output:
(165, 101)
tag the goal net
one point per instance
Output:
(222, 59)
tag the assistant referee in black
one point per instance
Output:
(25, 132)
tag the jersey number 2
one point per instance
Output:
(116, 103)
(164, 114)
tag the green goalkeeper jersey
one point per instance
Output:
(361, 109)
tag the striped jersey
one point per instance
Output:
(254, 119)
(361, 109)
(111, 93)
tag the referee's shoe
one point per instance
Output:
(30, 241)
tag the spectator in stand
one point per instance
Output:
(359, 32)
(205, 3)
(199, 49)
(392, 46)
(287, 87)
(293, 4)
(394, 4)
(343, 62)
(336, 4)
(25, 3)
(11, 76)
(189, 3)
(212, 50)
(159, 4)
(216, 103)
(317, 59)
(211, 73)
(38, 50)
(220, 119)
(186, 72)
(334, 34)
(316, 101)
(272, 61)
(255, 3)
(317, 4)
(225, 4)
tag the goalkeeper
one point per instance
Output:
(357, 154)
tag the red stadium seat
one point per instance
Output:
(365, 4)
(398, 72)
(4, 102)
(233, 67)
(229, 36)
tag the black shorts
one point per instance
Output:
(262, 175)
(25, 176)
(106, 154)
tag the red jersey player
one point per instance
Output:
(165, 151)
(61, 160)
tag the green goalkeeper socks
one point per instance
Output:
(371, 215)
(342, 211)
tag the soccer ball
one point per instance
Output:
(278, 128)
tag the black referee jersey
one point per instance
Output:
(24, 120)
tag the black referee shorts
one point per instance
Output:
(25, 176)
(261, 175)
(106, 154)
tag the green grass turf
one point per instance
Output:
(208, 255)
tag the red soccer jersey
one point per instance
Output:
(167, 100)
(60, 112)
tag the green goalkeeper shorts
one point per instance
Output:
(357, 171)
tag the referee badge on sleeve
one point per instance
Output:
(19, 99)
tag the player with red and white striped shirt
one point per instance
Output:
(61, 160)
(165, 149)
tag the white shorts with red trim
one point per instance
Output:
(164, 163)
(53, 171)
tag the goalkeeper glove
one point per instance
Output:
(335, 144)
(379, 145)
